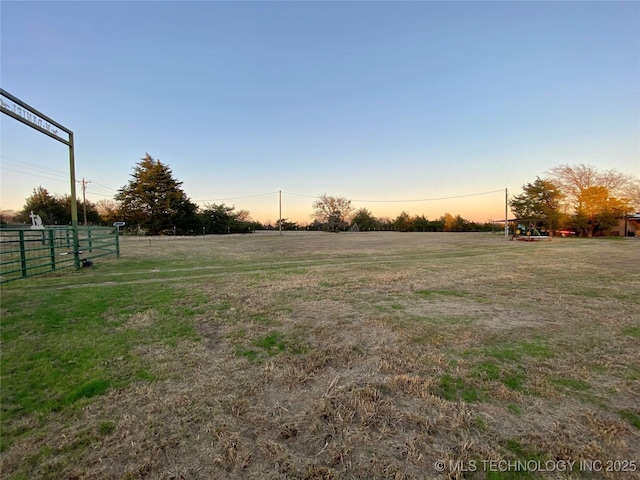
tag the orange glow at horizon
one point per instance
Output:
(479, 209)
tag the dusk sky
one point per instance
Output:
(378, 102)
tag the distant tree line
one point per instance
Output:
(363, 220)
(153, 203)
(54, 209)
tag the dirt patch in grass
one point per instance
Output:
(356, 356)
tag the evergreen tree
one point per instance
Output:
(154, 201)
(365, 220)
(403, 223)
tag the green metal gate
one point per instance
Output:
(25, 252)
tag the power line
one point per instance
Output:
(108, 195)
(236, 198)
(404, 201)
(97, 188)
(93, 191)
(36, 175)
(104, 186)
(29, 169)
(430, 199)
(29, 166)
(301, 195)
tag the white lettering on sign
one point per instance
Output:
(28, 116)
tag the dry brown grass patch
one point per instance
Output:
(355, 387)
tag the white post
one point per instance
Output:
(506, 213)
(280, 211)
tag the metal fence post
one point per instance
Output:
(23, 254)
(117, 242)
(52, 248)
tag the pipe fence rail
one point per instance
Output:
(26, 252)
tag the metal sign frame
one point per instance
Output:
(31, 117)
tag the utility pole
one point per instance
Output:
(280, 210)
(506, 213)
(84, 198)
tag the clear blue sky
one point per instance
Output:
(380, 101)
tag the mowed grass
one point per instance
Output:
(319, 356)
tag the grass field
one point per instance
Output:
(320, 356)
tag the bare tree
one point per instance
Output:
(243, 216)
(633, 195)
(575, 179)
(108, 210)
(332, 211)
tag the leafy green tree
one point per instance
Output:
(464, 225)
(217, 218)
(54, 209)
(403, 222)
(436, 225)
(316, 225)
(220, 219)
(93, 217)
(332, 211)
(365, 220)
(154, 201)
(50, 208)
(540, 200)
(421, 224)
(286, 224)
(384, 223)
